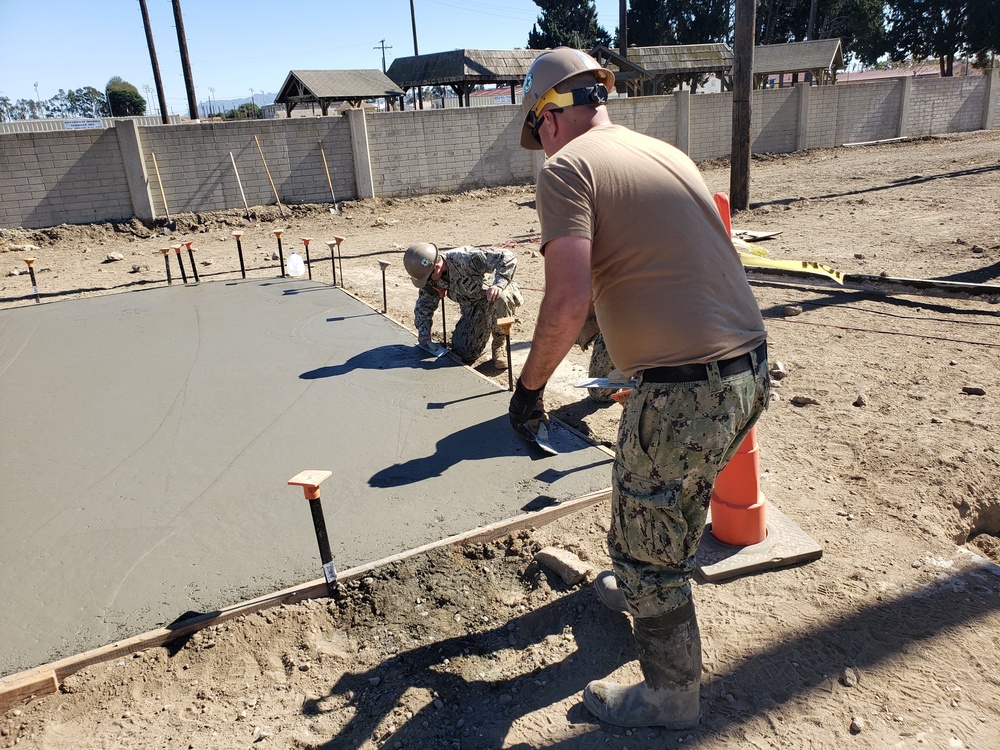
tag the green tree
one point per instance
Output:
(124, 99)
(569, 23)
(246, 111)
(859, 24)
(943, 29)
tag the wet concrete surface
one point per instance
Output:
(148, 438)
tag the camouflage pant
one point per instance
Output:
(600, 366)
(673, 441)
(478, 320)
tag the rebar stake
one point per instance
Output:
(177, 249)
(505, 325)
(194, 268)
(34, 284)
(239, 249)
(309, 268)
(281, 254)
(340, 257)
(166, 262)
(444, 325)
(384, 264)
(333, 259)
(310, 481)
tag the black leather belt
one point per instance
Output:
(692, 373)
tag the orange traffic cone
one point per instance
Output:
(738, 512)
(722, 203)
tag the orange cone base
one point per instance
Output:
(737, 504)
(739, 526)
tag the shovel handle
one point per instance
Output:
(163, 197)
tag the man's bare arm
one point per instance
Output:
(563, 309)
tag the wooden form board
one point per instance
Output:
(24, 686)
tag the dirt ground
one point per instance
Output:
(881, 444)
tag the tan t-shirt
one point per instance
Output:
(668, 285)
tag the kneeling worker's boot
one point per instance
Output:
(669, 649)
(499, 351)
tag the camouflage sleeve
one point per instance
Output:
(502, 263)
(423, 313)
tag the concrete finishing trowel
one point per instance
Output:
(434, 348)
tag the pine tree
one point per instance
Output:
(567, 23)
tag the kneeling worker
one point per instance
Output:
(464, 275)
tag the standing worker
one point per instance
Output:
(463, 274)
(629, 225)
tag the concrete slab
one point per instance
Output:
(148, 438)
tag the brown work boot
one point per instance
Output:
(500, 351)
(669, 649)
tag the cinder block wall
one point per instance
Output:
(655, 116)
(942, 105)
(197, 173)
(712, 125)
(854, 113)
(447, 150)
(69, 177)
(774, 121)
(79, 177)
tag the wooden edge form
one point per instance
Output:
(44, 680)
(27, 688)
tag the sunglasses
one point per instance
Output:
(597, 94)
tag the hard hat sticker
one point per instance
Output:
(528, 79)
(424, 262)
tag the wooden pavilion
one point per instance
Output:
(327, 87)
(463, 70)
(821, 59)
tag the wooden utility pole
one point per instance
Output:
(413, 21)
(381, 45)
(161, 97)
(185, 62)
(623, 27)
(739, 161)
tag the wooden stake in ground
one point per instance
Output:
(268, 171)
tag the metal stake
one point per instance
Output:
(281, 254)
(239, 249)
(340, 257)
(444, 325)
(505, 325)
(384, 264)
(177, 249)
(310, 481)
(166, 262)
(306, 241)
(333, 260)
(194, 268)
(34, 284)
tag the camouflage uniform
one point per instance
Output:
(466, 282)
(673, 440)
(600, 367)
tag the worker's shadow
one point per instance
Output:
(437, 668)
(487, 440)
(388, 357)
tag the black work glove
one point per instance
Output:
(527, 411)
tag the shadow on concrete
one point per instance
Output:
(387, 357)
(763, 682)
(475, 443)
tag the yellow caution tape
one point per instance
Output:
(753, 253)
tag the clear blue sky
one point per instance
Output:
(235, 46)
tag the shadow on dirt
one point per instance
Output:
(760, 684)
